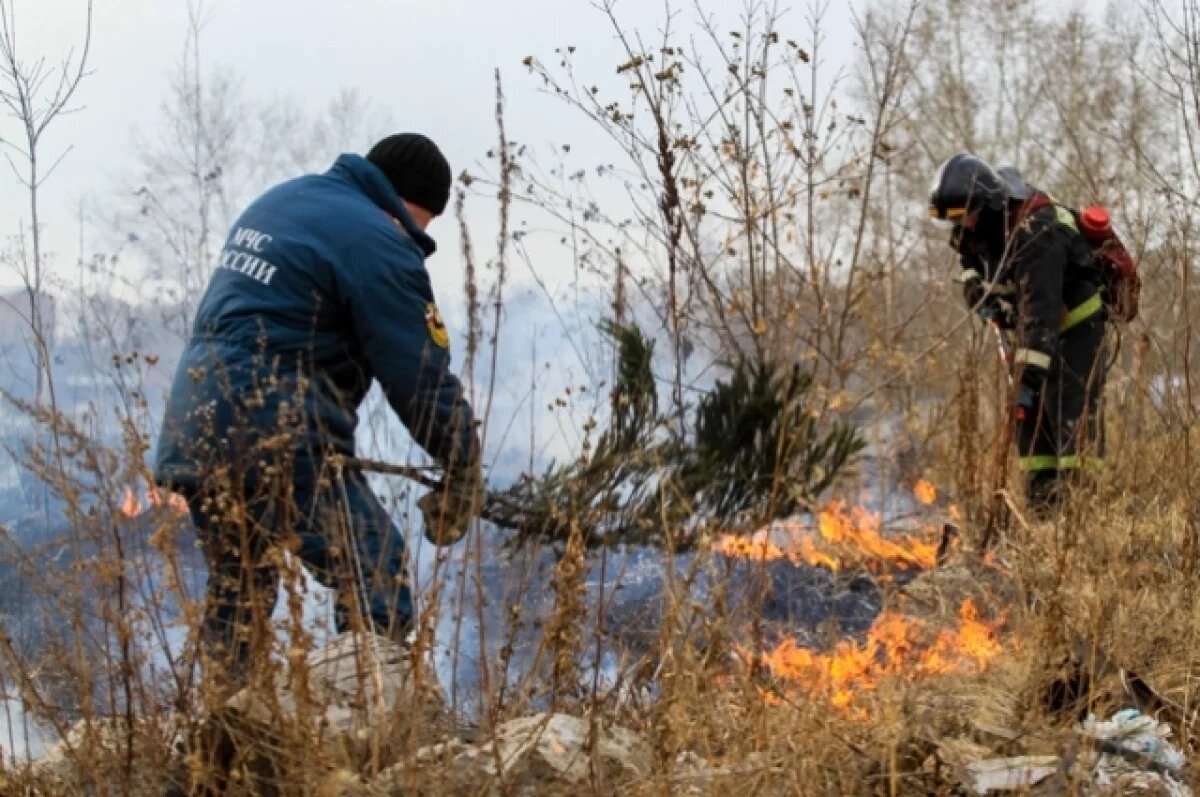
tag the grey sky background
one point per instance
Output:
(427, 64)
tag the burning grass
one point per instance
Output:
(957, 648)
(844, 538)
(132, 506)
(897, 646)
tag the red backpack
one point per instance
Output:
(1123, 283)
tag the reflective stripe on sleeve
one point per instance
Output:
(1082, 312)
(1032, 357)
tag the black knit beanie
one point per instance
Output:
(416, 168)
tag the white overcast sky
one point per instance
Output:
(428, 63)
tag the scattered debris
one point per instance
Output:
(1009, 774)
(360, 685)
(535, 755)
(1134, 754)
(1129, 753)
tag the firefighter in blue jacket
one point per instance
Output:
(321, 289)
(1027, 268)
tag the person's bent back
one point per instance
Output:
(320, 289)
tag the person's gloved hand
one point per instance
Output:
(973, 288)
(999, 312)
(980, 297)
(447, 512)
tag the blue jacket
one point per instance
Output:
(321, 288)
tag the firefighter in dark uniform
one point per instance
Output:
(1027, 268)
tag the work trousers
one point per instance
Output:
(337, 528)
(1064, 436)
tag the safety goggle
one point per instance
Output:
(953, 218)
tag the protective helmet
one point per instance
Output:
(1015, 184)
(962, 185)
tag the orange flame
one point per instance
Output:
(130, 506)
(174, 501)
(800, 549)
(756, 547)
(861, 530)
(842, 539)
(895, 647)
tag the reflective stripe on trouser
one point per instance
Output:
(1051, 462)
(320, 525)
(1064, 434)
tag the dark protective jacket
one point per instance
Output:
(1039, 267)
(320, 289)
(1034, 272)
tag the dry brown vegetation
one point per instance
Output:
(763, 210)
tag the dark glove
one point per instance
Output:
(973, 288)
(448, 511)
(999, 312)
(990, 307)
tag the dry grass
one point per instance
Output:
(1108, 589)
